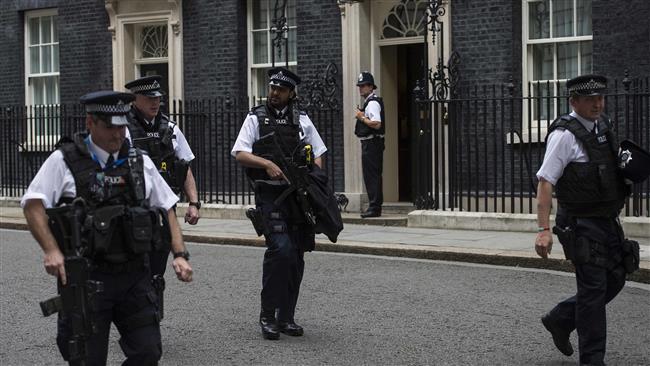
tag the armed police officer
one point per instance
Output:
(370, 130)
(272, 135)
(152, 131)
(581, 162)
(118, 197)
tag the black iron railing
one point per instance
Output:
(29, 134)
(488, 144)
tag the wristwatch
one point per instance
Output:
(196, 204)
(185, 254)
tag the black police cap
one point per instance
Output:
(279, 76)
(148, 85)
(366, 78)
(633, 161)
(109, 103)
(586, 85)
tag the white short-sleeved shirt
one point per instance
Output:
(181, 147)
(250, 133)
(54, 180)
(373, 109)
(562, 148)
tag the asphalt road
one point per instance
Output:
(356, 310)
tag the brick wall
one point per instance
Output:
(621, 38)
(319, 44)
(214, 48)
(84, 48)
(487, 35)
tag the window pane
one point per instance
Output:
(538, 19)
(567, 60)
(543, 62)
(34, 58)
(55, 28)
(260, 13)
(562, 103)
(563, 18)
(37, 90)
(260, 47)
(33, 31)
(46, 29)
(262, 83)
(55, 58)
(153, 41)
(586, 57)
(46, 65)
(291, 13)
(50, 96)
(541, 104)
(292, 44)
(583, 12)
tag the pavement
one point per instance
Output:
(383, 237)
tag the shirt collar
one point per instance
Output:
(281, 112)
(100, 154)
(370, 96)
(587, 123)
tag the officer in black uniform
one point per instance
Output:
(279, 123)
(153, 131)
(370, 129)
(124, 197)
(581, 162)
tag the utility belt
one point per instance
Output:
(582, 250)
(370, 137)
(133, 265)
(115, 233)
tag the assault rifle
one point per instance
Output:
(296, 174)
(75, 299)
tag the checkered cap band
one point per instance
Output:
(111, 109)
(153, 86)
(587, 86)
(280, 76)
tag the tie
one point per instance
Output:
(595, 129)
(110, 161)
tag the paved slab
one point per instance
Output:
(492, 247)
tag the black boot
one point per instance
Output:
(269, 327)
(560, 336)
(291, 329)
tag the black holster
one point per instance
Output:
(255, 215)
(631, 258)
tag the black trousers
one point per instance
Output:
(372, 160)
(283, 265)
(128, 300)
(596, 286)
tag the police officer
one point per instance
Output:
(287, 234)
(101, 168)
(369, 128)
(152, 131)
(581, 163)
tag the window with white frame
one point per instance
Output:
(42, 57)
(557, 46)
(261, 15)
(42, 79)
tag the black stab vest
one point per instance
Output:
(287, 130)
(595, 188)
(361, 129)
(156, 140)
(102, 188)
